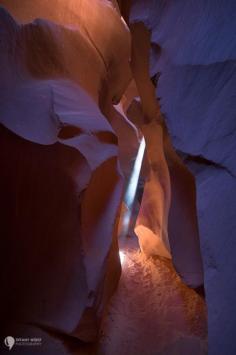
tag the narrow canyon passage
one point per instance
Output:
(117, 183)
(152, 311)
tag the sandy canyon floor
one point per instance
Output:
(153, 312)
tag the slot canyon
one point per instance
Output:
(118, 177)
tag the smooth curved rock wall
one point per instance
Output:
(194, 50)
(59, 223)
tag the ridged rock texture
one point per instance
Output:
(65, 142)
(61, 185)
(193, 48)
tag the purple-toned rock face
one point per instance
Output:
(68, 148)
(193, 48)
(61, 186)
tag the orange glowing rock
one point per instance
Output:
(101, 40)
(70, 186)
